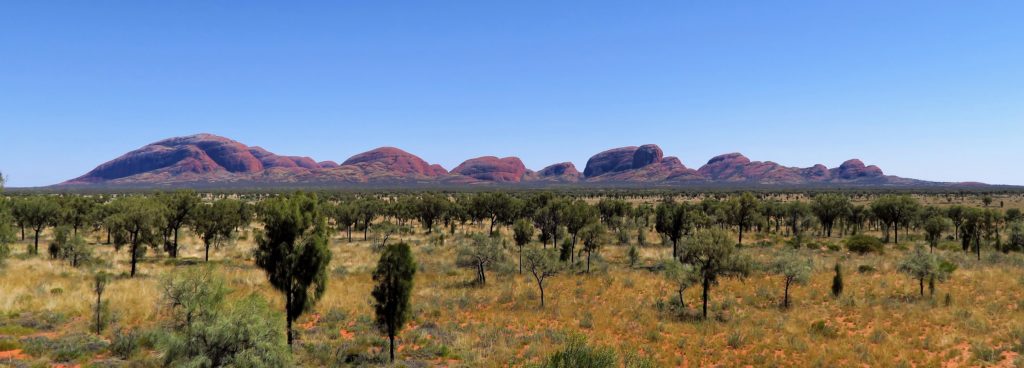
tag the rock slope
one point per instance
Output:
(206, 159)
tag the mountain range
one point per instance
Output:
(210, 160)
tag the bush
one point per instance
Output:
(736, 340)
(820, 328)
(209, 331)
(125, 343)
(863, 244)
(66, 348)
(578, 354)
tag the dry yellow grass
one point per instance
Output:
(879, 321)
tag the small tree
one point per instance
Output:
(1015, 238)
(828, 207)
(99, 285)
(136, 222)
(522, 233)
(179, 209)
(542, 263)
(741, 212)
(794, 270)
(837, 282)
(634, 255)
(346, 216)
(293, 252)
(216, 223)
(429, 208)
(713, 255)
(672, 220)
(39, 212)
(70, 247)
(209, 331)
(577, 215)
(480, 254)
(934, 227)
(923, 266)
(394, 276)
(681, 277)
(75, 211)
(368, 208)
(592, 236)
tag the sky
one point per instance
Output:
(924, 89)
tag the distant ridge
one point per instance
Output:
(209, 160)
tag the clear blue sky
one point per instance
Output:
(924, 89)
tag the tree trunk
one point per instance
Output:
(392, 347)
(706, 285)
(785, 297)
(99, 304)
(572, 250)
(588, 261)
(349, 229)
(896, 231)
(174, 247)
(520, 260)
(921, 285)
(207, 244)
(289, 327)
(741, 234)
(554, 236)
(287, 318)
(977, 247)
(35, 247)
(134, 257)
(541, 286)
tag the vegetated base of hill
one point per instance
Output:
(879, 320)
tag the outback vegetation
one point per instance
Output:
(613, 278)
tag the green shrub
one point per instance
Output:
(866, 269)
(985, 352)
(820, 328)
(125, 343)
(735, 340)
(578, 354)
(209, 331)
(65, 348)
(863, 244)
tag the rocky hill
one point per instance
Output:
(210, 160)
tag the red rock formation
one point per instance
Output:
(622, 159)
(855, 169)
(490, 168)
(390, 161)
(564, 171)
(271, 160)
(198, 154)
(729, 167)
(328, 164)
(206, 159)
